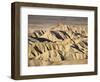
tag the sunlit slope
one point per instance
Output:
(59, 44)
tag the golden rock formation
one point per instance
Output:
(62, 44)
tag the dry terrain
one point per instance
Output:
(60, 44)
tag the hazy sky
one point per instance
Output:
(39, 19)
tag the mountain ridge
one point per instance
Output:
(57, 44)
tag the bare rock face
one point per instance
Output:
(62, 44)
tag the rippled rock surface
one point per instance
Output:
(59, 45)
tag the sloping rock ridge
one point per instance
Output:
(60, 44)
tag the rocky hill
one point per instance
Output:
(57, 45)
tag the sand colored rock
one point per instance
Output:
(60, 44)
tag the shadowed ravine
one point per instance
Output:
(58, 45)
